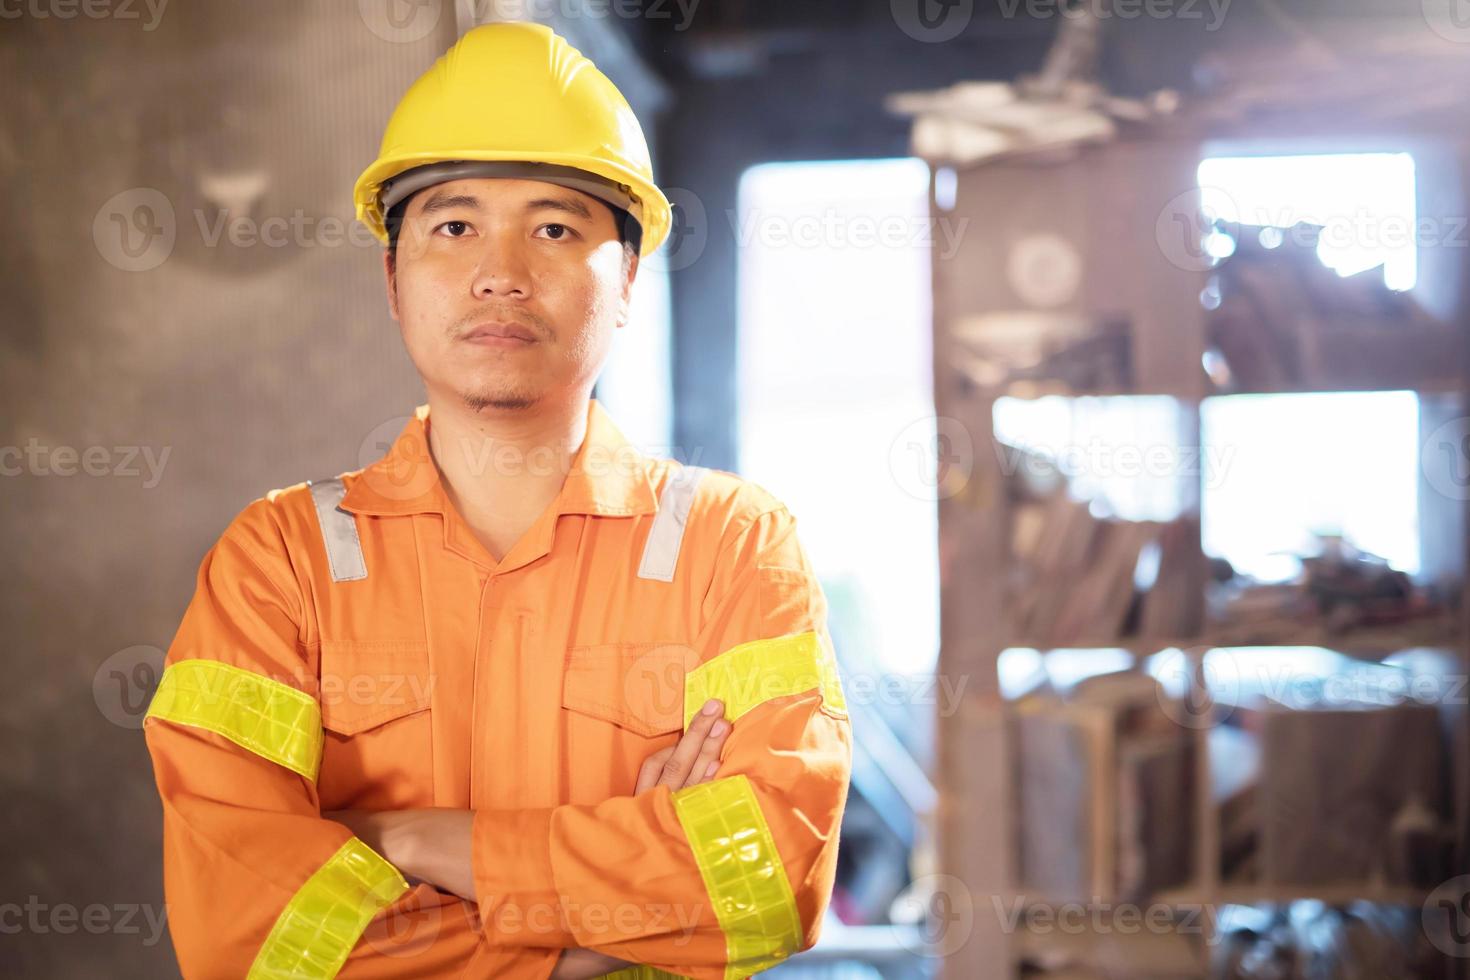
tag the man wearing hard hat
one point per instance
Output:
(515, 700)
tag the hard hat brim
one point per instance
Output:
(649, 207)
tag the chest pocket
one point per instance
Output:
(375, 694)
(364, 683)
(367, 684)
(375, 700)
(638, 687)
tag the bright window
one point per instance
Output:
(1363, 201)
(636, 386)
(835, 380)
(1291, 466)
(1132, 455)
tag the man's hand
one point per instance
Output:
(433, 844)
(691, 761)
(429, 844)
(694, 759)
(584, 964)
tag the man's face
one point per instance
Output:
(487, 256)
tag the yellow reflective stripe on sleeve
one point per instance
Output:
(753, 673)
(642, 972)
(742, 873)
(274, 720)
(327, 915)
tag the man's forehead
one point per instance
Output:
(489, 192)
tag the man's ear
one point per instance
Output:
(626, 300)
(391, 275)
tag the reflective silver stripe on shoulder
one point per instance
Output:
(339, 532)
(661, 552)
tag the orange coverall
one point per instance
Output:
(351, 644)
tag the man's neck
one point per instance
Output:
(502, 468)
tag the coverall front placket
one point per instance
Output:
(514, 728)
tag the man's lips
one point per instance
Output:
(500, 334)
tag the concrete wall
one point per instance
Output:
(250, 367)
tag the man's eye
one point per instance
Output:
(556, 232)
(456, 229)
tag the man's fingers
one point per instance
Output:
(652, 769)
(693, 759)
(709, 753)
(677, 769)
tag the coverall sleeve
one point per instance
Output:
(257, 883)
(730, 877)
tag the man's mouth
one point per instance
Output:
(500, 334)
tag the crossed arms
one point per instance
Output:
(705, 874)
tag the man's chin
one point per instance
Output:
(499, 400)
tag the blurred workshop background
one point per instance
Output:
(1112, 354)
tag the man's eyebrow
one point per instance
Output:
(437, 203)
(568, 204)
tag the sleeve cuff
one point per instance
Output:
(514, 886)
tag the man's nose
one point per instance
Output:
(502, 270)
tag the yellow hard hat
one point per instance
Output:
(515, 100)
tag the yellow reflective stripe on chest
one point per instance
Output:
(274, 720)
(742, 873)
(321, 924)
(753, 673)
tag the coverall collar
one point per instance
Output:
(607, 475)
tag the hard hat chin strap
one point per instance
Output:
(410, 182)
